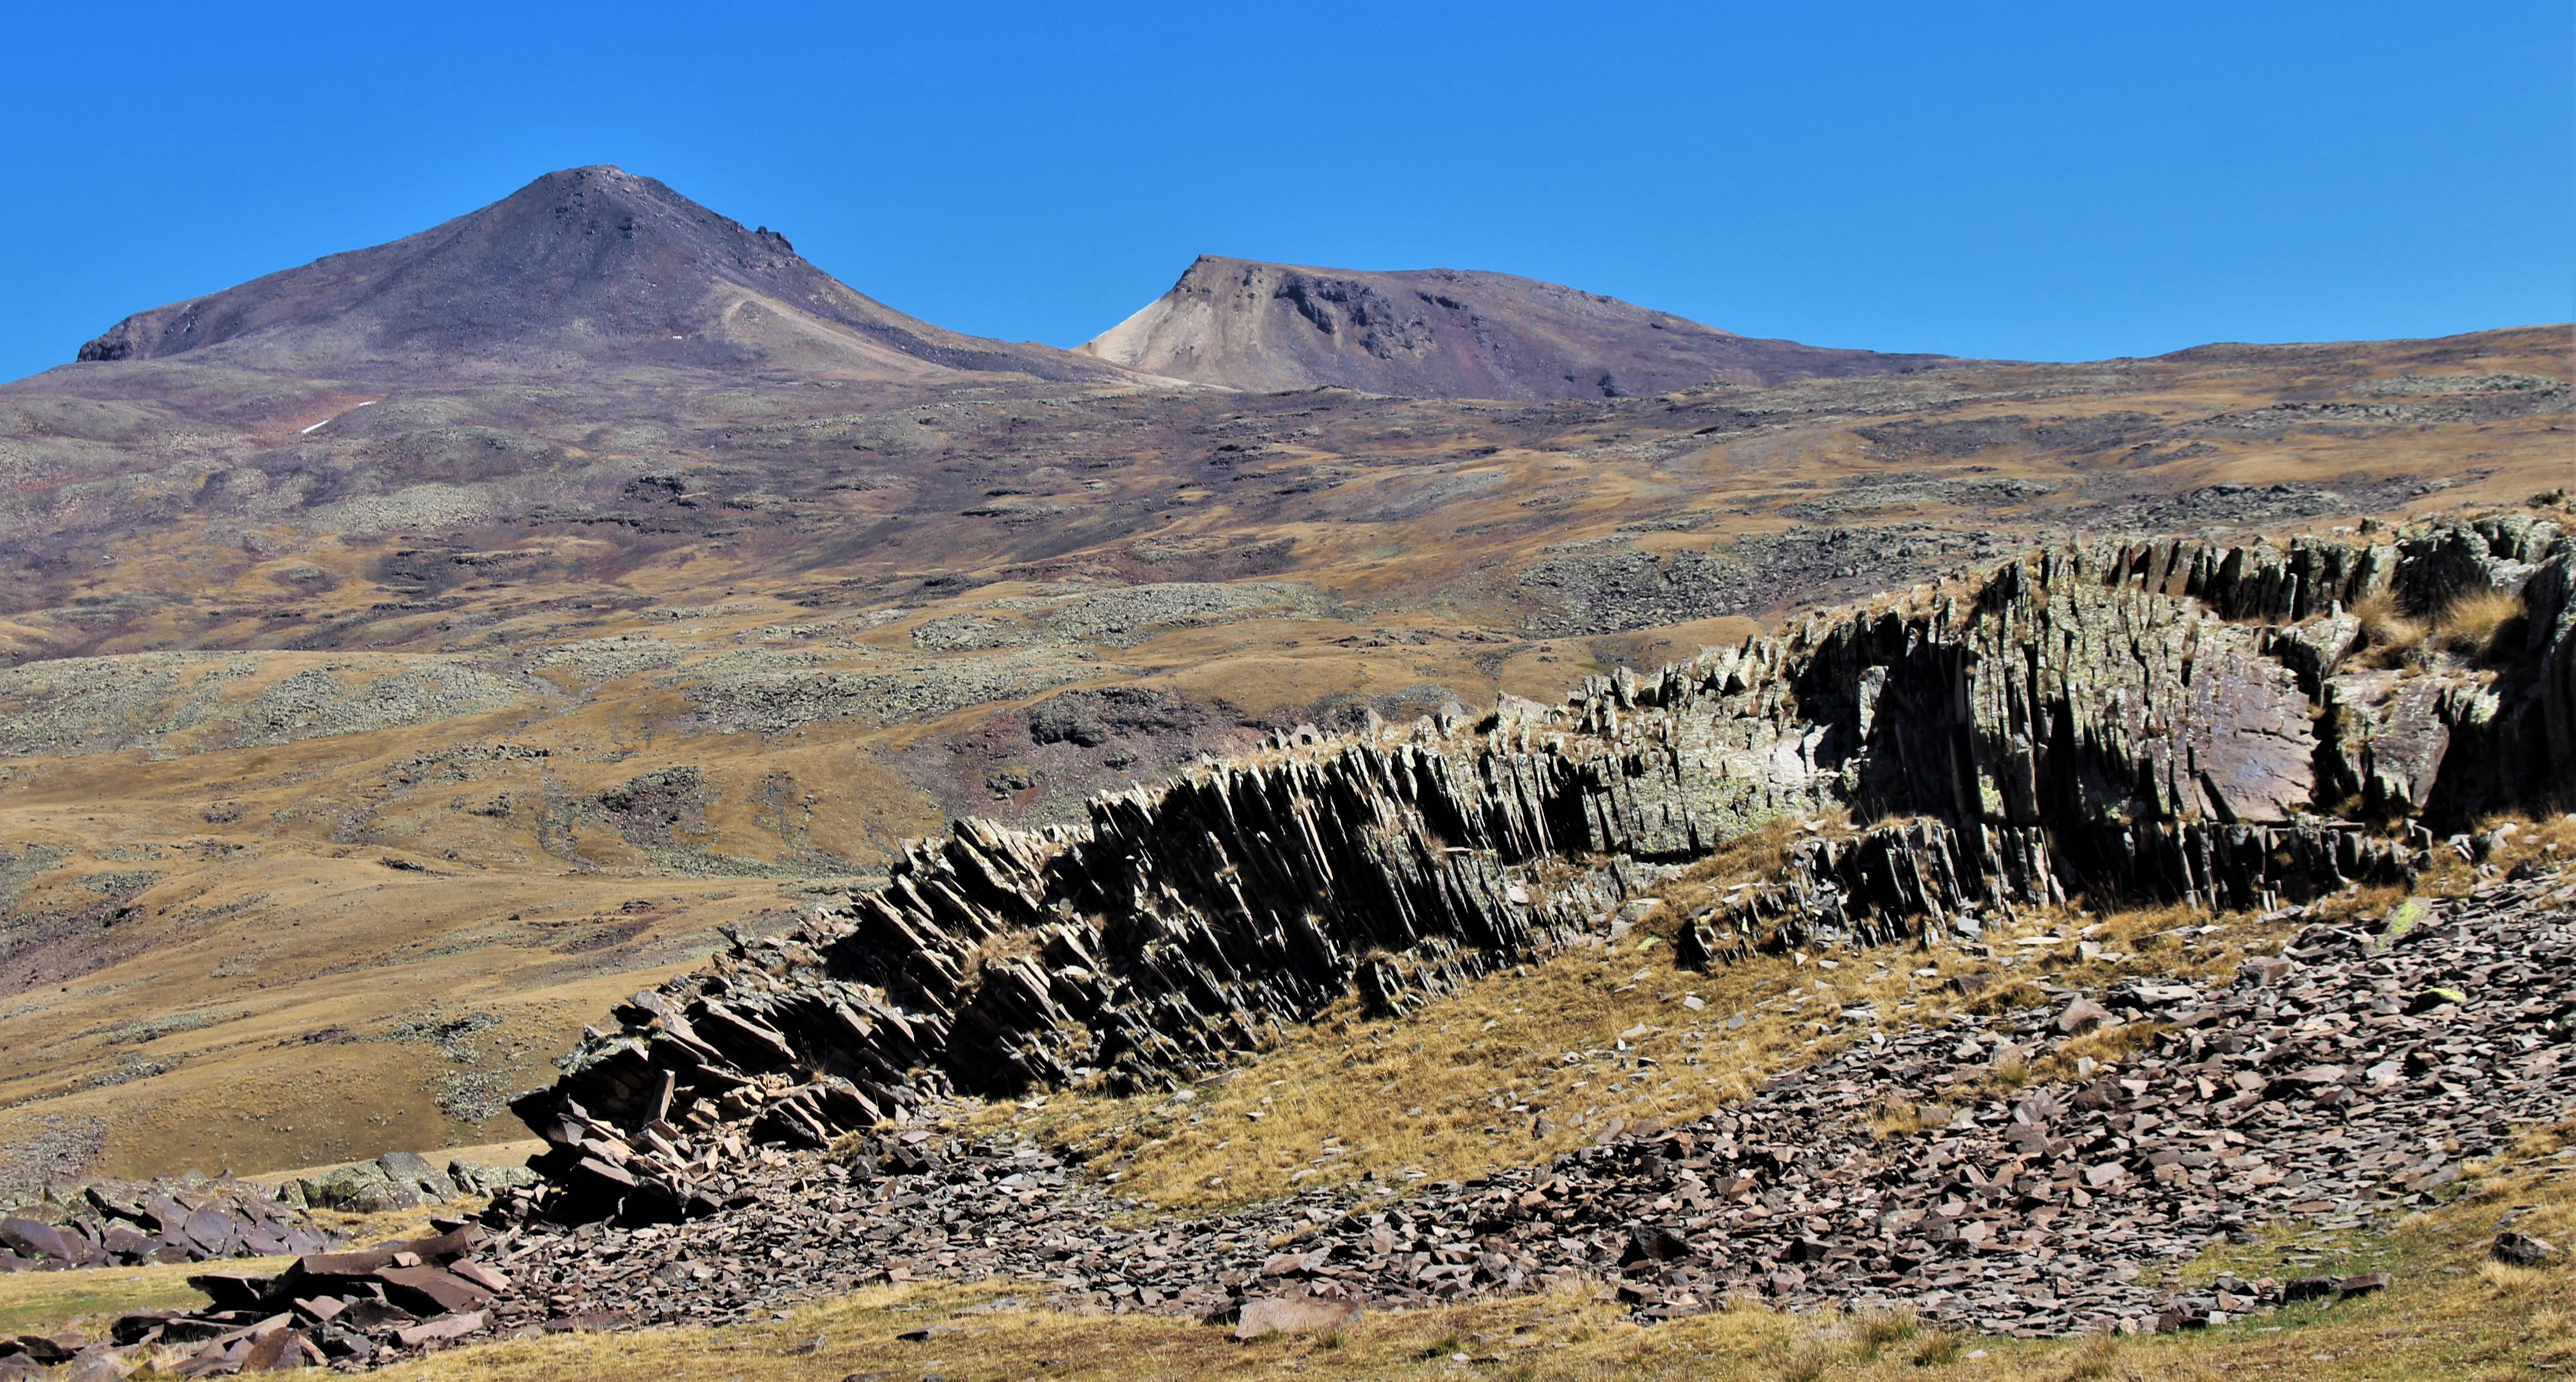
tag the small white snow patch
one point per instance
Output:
(335, 417)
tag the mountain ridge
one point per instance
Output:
(1449, 333)
(595, 263)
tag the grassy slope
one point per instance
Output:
(271, 928)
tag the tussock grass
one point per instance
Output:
(2388, 636)
(2547, 838)
(1895, 1117)
(1514, 1069)
(2095, 1357)
(2482, 624)
(1877, 1331)
(1939, 1349)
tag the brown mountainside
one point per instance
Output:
(1444, 333)
(591, 263)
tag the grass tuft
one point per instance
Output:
(1878, 1330)
(2387, 634)
(2095, 1357)
(2508, 1280)
(2483, 624)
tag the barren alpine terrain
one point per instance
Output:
(1207, 808)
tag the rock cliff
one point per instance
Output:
(2143, 721)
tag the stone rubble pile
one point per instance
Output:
(2138, 720)
(2338, 1085)
(349, 1308)
(191, 1218)
(201, 1218)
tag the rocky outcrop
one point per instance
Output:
(2123, 721)
(1982, 1172)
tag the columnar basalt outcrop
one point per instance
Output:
(2143, 720)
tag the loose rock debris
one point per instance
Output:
(186, 1219)
(200, 1218)
(2344, 1081)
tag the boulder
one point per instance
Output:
(412, 1171)
(2520, 1250)
(2084, 1015)
(360, 1189)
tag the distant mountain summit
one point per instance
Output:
(1444, 333)
(594, 264)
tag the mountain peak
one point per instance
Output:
(591, 263)
(1454, 333)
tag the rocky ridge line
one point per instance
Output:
(2156, 720)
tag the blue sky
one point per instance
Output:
(2041, 181)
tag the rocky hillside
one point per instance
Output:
(1444, 333)
(2157, 721)
(2038, 1153)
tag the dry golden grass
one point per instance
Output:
(2482, 624)
(2388, 635)
(1480, 1080)
(1522, 1065)
(40, 1301)
(2542, 839)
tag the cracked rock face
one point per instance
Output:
(2135, 720)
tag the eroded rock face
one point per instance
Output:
(2390, 737)
(2128, 720)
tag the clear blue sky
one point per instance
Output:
(2045, 181)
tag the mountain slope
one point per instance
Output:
(1443, 333)
(591, 263)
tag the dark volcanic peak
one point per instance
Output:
(593, 263)
(1443, 333)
